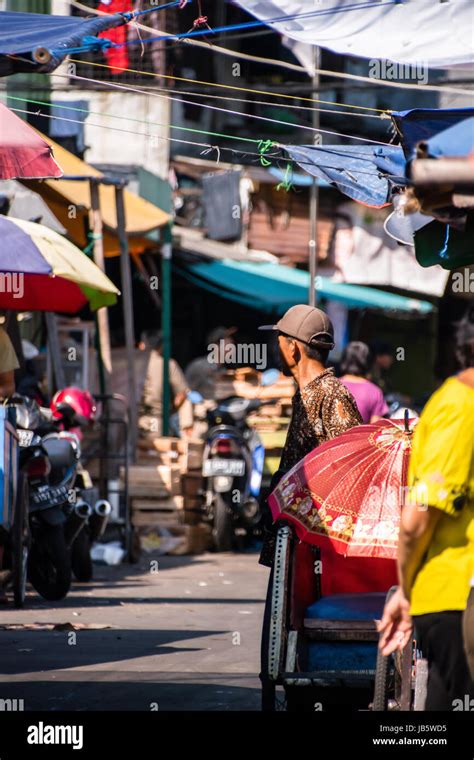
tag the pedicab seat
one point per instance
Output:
(367, 606)
(341, 632)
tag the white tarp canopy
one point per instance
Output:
(432, 33)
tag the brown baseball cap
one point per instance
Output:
(307, 324)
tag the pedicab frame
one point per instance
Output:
(398, 681)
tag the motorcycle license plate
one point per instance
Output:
(213, 467)
(25, 437)
(51, 497)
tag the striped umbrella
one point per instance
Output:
(42, 271)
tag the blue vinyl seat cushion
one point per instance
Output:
(367, 606)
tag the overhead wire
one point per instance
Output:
(319, 130)
(192, 129)
(207, 146)
(229, 86)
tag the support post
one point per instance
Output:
(102, 314)
(314, 194)
(166, 261)
(127, 296)
(54, 348)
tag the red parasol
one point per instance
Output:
(349, 491)
(23, 153)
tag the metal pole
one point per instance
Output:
(102, 314)
(314, 195)
(127, 295)
(54, 347)
(166, 259)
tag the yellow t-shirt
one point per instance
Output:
(442, 473)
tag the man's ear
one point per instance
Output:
(295, 350)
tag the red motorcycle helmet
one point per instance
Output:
(81, 402)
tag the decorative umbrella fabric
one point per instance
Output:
(42, 271)
(23, 153)
(349, 491)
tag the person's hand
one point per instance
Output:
(396, 625)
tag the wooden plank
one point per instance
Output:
(173, 504)
(154, 519)
(340, 630)
(162, 478)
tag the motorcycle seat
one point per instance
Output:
(60, 452)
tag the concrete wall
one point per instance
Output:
(142, 141)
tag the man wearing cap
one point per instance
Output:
(322, 406)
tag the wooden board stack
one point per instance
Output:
(166, 487)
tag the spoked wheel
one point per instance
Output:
(388, 675)
(20, 542)
(382, 682)
(274, 630)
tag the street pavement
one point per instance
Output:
(171, 633)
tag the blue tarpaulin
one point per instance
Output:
(24, 34)
(422, 124)
(274, 288)
(366, 173)
(456, 141)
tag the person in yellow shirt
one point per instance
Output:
(436, 544)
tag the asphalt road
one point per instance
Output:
(183, 635)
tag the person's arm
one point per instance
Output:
(440, 467)
(8, 365)
(417, 526)
(416, 531)
(7, 384)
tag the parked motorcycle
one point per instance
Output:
(74, 410)
(48, 463)
(233, 467)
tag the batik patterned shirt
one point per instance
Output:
(322, 409)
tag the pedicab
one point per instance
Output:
(337, 516)
(14, 526)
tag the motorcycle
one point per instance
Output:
(73, 410)
(48, 464)
(232, 466)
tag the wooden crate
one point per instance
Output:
(193, 510)
(196, 540)
(153, 481)
(155, 513)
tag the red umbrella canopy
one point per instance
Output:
(350, 490)
(23, 153)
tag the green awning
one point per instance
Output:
(275, 288)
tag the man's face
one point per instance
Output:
(287, 355)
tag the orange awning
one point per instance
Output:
(70, 202)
